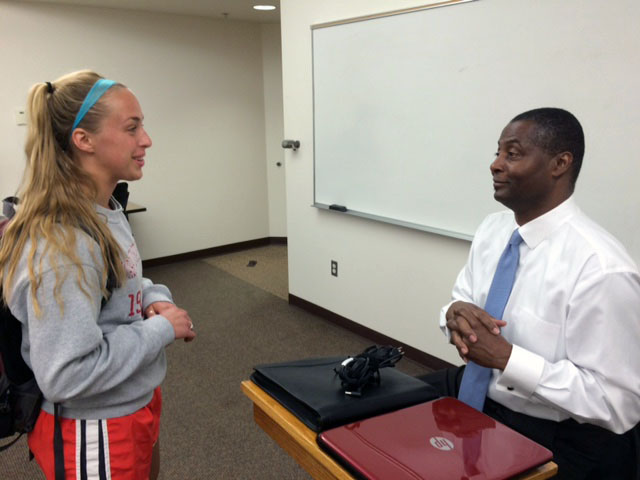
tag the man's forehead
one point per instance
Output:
(520, 131)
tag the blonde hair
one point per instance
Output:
(57, 197)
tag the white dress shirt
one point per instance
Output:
(573, 318)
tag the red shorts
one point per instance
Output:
(115, 448)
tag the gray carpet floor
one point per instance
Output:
(207, 423)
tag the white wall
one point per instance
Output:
(201, 86)
(391, 279)
(272, 75)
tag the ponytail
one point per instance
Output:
(57, 198)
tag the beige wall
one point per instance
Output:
(207, 102)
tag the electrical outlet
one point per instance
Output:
(334, 268)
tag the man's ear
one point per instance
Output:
(82, 140)
(562, 164)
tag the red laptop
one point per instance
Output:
(444, 439)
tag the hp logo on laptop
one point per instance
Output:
(441, 443)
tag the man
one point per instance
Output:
(564, 357)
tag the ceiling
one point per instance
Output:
(238, 10)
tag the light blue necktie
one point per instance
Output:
(475, 381)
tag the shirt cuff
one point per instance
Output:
(443, 320)
(522, 373)
(155, 293)
(163, 327)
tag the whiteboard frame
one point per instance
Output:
(446, 3)
(400, 223)
(370, 216)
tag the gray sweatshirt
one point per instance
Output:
(97, 363)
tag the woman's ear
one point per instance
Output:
(82, 140)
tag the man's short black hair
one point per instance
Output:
(557, 131)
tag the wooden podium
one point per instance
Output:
(299, 441)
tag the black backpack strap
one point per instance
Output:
(112, 281)
(58, 450)
(112, 284)
(9, 206)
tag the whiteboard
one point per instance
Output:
(408, 107)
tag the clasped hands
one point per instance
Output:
(476, 335)
(179, 319)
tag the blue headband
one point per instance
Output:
(92, 97)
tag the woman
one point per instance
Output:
(94, 330)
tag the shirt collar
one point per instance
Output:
(538, 229)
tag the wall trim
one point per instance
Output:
(210, 252)
(429, 361)
(278, 240)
